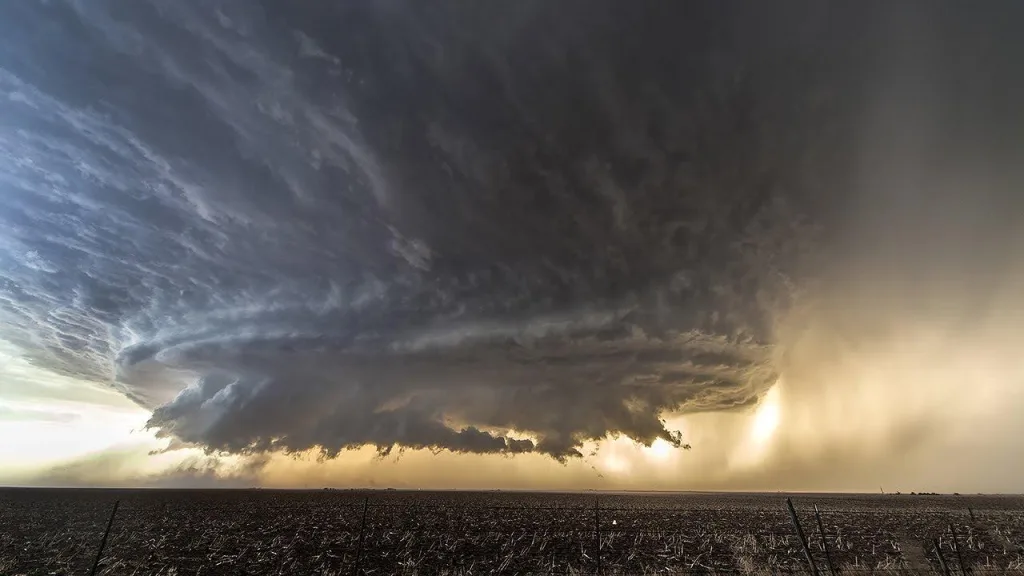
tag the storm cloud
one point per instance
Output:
(493, 230)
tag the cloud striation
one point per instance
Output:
(500, 230)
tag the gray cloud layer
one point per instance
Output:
(373, 223)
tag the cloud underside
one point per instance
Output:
(553, 396)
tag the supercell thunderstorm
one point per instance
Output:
(495, 231)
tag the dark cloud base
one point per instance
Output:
(376, 223)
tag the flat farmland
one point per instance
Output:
(211, 532)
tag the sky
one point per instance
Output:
(532, 245)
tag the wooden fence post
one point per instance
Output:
(800, 535)
(103, 543)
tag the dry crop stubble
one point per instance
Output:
(322, 532)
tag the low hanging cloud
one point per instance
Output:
(446, 232)
(465, 396)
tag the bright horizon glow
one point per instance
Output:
(37, 439)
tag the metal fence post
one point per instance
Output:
(597, 530)
(359, 546)
(824, 542)
(103, 543)
(800, 535)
